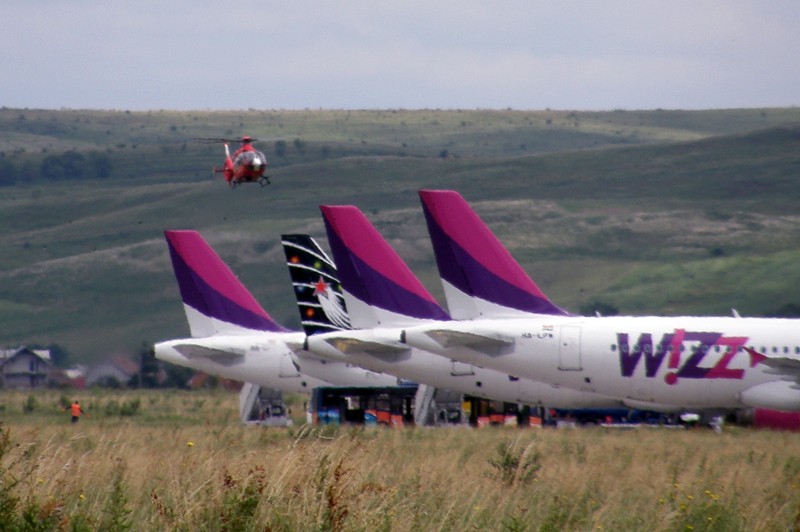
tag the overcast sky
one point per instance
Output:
(601, 54)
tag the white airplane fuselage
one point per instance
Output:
(381, 351)
(267, 360)
(665, 363)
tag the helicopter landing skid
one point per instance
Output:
(263, 181)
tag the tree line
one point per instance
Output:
(70, 165)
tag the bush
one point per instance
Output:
(30, 404)
(116, 514)
(130, 408)
(515, 466)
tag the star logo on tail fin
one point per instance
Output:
(331, 304)
(321, 287)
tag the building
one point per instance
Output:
(25, 368)
(114, 372)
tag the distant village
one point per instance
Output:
(26, 368)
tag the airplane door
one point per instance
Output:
(569, 349)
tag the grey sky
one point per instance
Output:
(182, 54)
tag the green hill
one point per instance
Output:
(653, 211)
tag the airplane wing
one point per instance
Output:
(200, 351)
(486, 342)
(786, 368)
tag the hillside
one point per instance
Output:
(655, 212)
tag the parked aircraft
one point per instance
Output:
(382, 296)
(234, 337)
(657, 363)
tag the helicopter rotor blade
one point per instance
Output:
(212, 140)
(204, 140)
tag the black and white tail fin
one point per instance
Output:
(316, 285)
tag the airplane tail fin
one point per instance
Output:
(215, 301)
(316, 286)
(480, 277)
(379, 287)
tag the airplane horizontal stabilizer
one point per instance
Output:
(227, 357)
(485, 342)
(353, 345)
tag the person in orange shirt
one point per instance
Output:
(76, 411)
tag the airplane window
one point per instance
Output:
(716, 348)
(613, 347)
(785, 349)
(797, 350)
(774, 349)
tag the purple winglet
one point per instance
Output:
(371, 270)
(210, 287)
(472, 259)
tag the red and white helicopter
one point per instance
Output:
(245, 165)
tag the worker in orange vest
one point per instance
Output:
(76, 411)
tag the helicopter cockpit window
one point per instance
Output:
(250, 158)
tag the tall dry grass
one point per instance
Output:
(210, 473)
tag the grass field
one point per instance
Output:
(655, 212)
(181, 461)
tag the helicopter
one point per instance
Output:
(245, 165)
